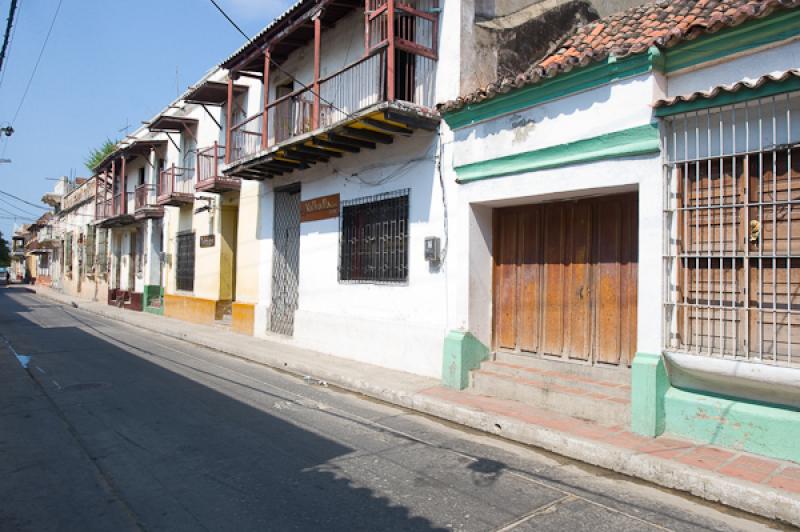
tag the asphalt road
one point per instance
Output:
(114, 428)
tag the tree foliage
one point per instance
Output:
(96, 155)
(5, 252)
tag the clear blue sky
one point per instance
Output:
(108, 63)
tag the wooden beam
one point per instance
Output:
(341, 139)
(335, 145)
(310, 157)
(229, 117)
(364, 134)
(414, 122)
(316, 151)
(317, 42)
(265, 113)
(392, 128)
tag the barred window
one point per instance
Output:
(102, 251)
(374, 239)
(733, 208)
(89, 247)
(68, 253)
(184, 270)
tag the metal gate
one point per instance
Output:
(285, 260)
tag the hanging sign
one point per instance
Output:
(320, 208)
(207, 241)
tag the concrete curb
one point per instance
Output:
(747, 496)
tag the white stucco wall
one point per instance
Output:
(749, 65)
(605, 109)
(396, 326)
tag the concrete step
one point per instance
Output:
(561, 378)
(619, 375)
(575, 400)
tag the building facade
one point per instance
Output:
(625, 215)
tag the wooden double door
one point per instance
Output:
(565, 279)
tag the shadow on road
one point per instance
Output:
(182, 454)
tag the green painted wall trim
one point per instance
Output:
(462, 353)
(770, 88)
(759, 32)
(757, 428)
(649, 386)
(640, 140)
(150, 292)
(577, 80)
(158, 311)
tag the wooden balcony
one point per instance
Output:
(145, 205)
(209, 177)
(176, 186)
(113, 211)
(354, 114)
(387, 93)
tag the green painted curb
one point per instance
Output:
(462, 353)
(757, 428)
(640, 140)
(649, 386)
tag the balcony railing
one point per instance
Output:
(176, 185)
(209, 177)
(145, 196)
(356, 87)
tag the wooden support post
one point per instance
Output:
(113, 183)
(390, 50)
(265, 85)
(317, 38)
(229, 117)
(124, 194)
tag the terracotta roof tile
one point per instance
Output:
(662, 24)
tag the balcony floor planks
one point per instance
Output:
(378, 124)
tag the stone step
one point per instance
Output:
(613, 389)
(614, 374)
(576, 401)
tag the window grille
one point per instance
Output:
(374, 239)
(732, 262)
(102, 251)
(184, 271)
(68, 253)
(89, 248)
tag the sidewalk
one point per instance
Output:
(766, 487)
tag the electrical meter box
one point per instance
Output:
(432, 249)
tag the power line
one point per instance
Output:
(23, 201)
(278, 66)
(38, 60)
(27, 213)
(11, 42)
(9, 24)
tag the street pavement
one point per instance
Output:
(114, 428)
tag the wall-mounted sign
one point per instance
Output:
(207, 241)
(319, 208)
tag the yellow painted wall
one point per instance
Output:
(227, 246)
(243, 318)
(248, 242)
(191, 309)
